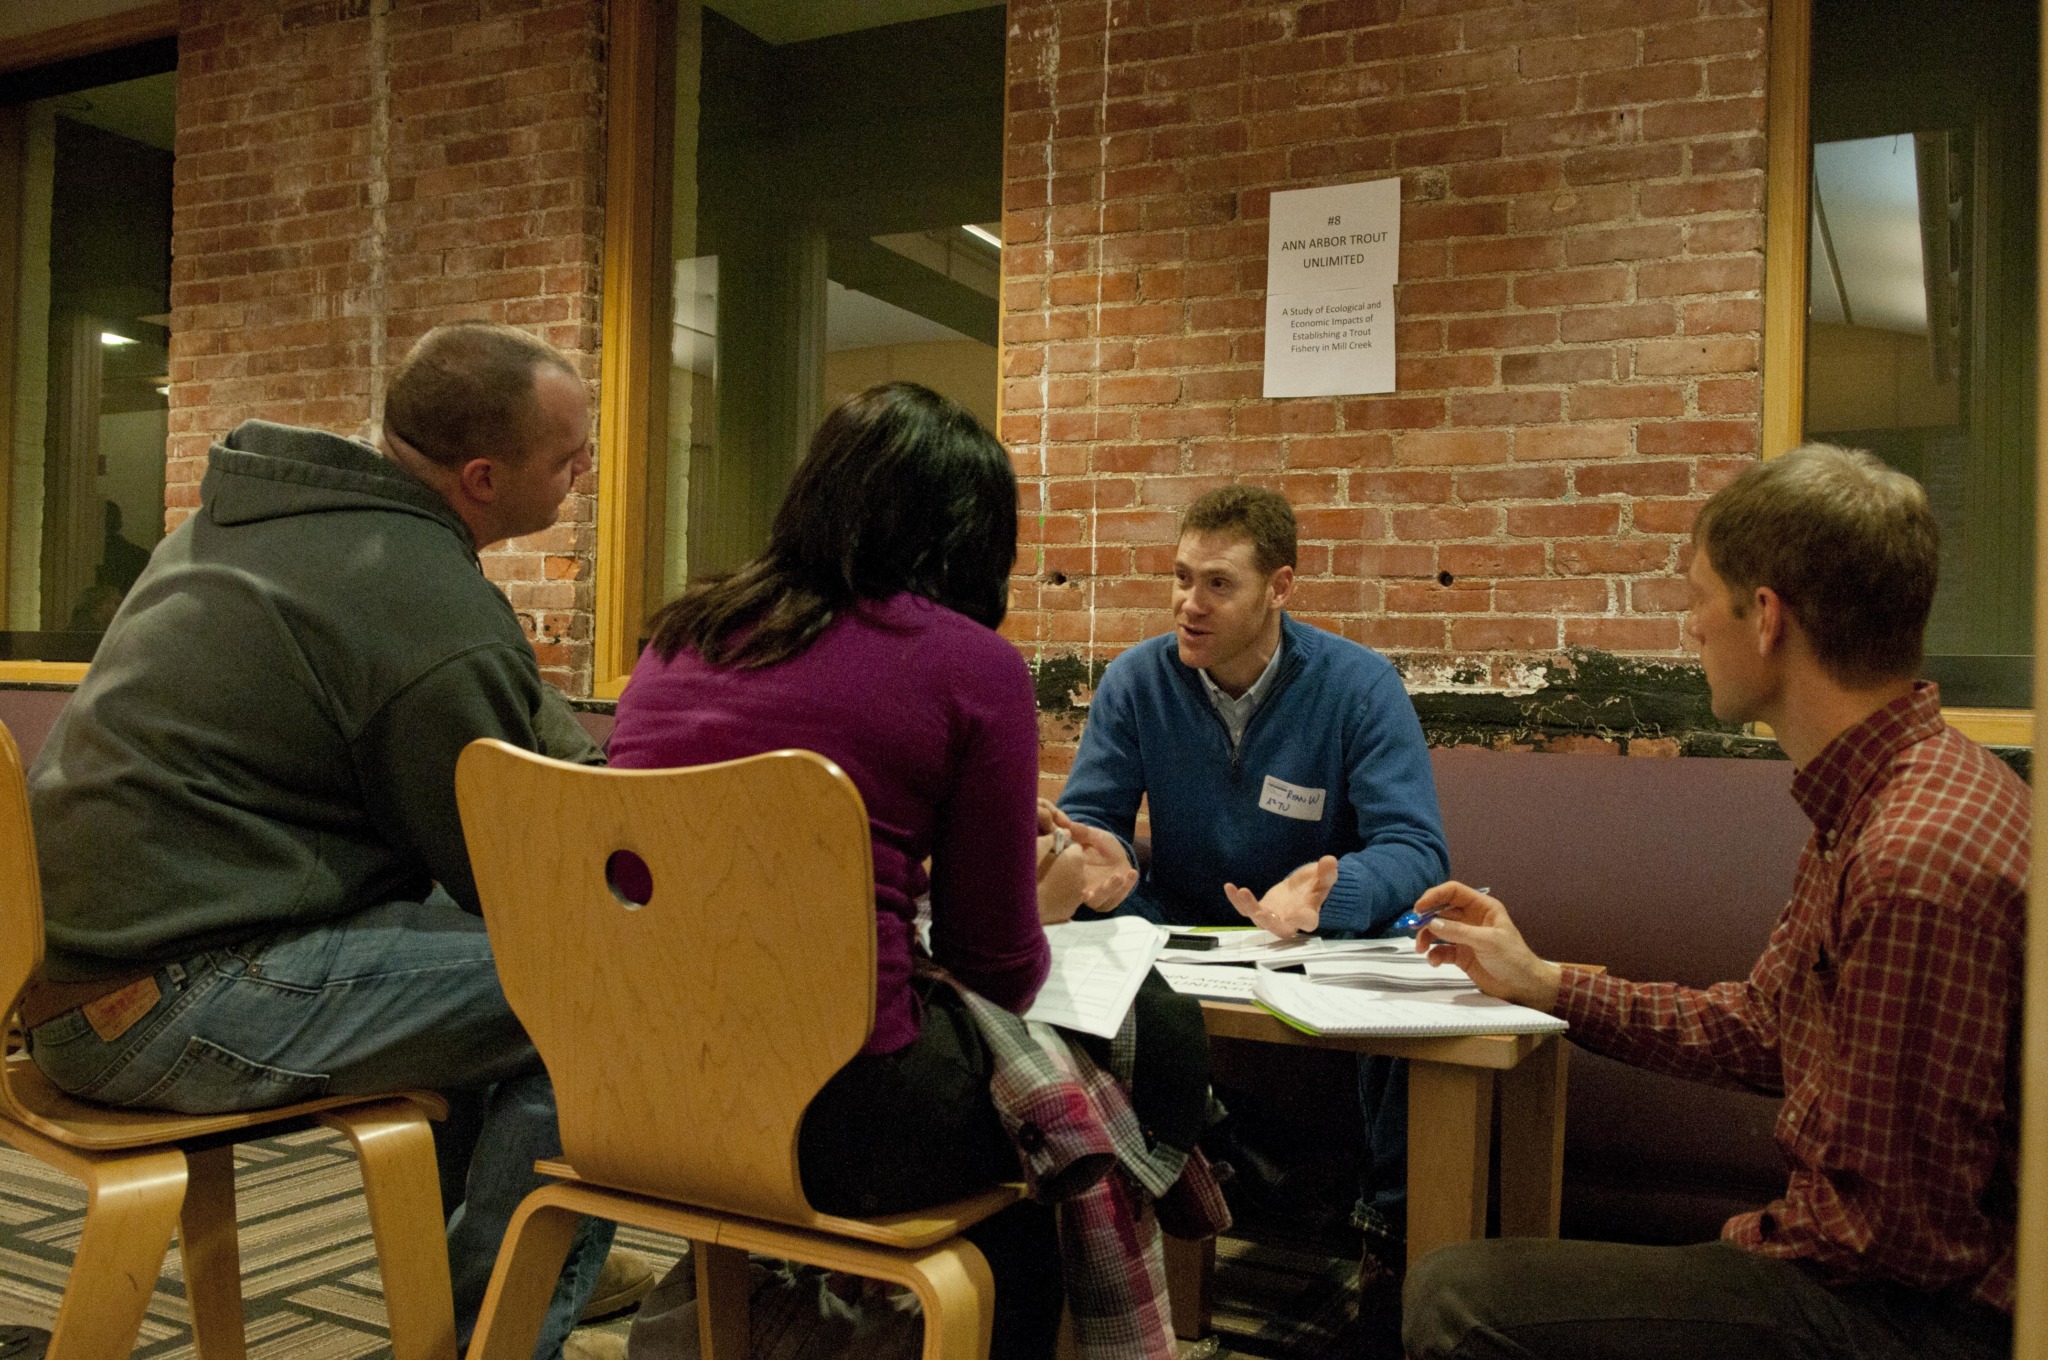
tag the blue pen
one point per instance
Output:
(1416, 920)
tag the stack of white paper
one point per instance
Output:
(1246, 945)
(1387, 972)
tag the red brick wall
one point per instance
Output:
(476, 127)
(1579, 310)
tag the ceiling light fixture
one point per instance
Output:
(109, 339)
(983, 234)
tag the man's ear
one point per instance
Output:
(479, 480)
(1281, 584)
(1772, 619)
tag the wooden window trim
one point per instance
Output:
(2030, 1310)
(149, 23)
(1787, 187)
(626, 413)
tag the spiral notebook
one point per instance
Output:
(1322, 1009)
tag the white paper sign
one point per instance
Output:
(1331, 261)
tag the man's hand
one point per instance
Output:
(1078, 866)
(1473, 931)
(1291, 906)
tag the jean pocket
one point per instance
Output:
(210, 1079)
(74, 1059)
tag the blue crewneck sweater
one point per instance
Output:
(1333, 762)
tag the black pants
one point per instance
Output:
(893, 1132)
(1523, 1298)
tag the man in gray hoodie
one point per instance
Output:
(255, 884)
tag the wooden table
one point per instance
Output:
(1450, 1124)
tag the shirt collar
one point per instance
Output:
(1830, 785)
(1259, 686)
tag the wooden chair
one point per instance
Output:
(687, 1035)
(148, 1174)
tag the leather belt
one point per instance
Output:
(43, 1000)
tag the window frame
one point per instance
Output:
(636, 187)
(148, 23)
(1787, 208)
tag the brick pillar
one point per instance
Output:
(352, 172)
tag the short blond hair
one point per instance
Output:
(1849, 544)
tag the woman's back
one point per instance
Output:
(932, 716)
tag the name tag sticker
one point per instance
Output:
(1291, 800)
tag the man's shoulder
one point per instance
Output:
(1143, 667)
(1338, 661)
(1951, 818)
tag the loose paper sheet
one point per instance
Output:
(1217, 984)
(1096, 969)
(1331, 260)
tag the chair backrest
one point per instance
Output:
(685, 1036)
(21, 907)
(21, 882)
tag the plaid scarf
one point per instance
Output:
(1081, 1149)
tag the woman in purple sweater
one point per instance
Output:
(866, 632)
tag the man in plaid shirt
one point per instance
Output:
(1885, 1009)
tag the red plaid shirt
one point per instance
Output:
(1885, 1010)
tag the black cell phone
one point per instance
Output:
(1177, 939)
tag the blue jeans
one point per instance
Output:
(395, 996)
(1383, 1181)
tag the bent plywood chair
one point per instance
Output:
(148, 1174)
(688, 1027)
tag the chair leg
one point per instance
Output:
(951, 1280)
(725, 1319)
(953, 1283)
(212, 1255)
(395, 1149)
(523, 1281)
(1190, 1269)
(131, 1210)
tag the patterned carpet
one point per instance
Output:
(311, 1287)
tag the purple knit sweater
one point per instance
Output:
(933, 717)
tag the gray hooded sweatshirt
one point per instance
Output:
(267, 736)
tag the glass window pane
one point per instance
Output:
(836, 189)
(90, 180)
(1920, 320)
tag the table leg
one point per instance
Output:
(1532, 1142)
(1190, 1266)
(1450, 1119)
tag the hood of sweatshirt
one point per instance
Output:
(263, 471)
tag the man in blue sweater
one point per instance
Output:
(1285, 772)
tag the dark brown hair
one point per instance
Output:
(1849, 544)
(1250, 512)
(466, 391)
(903, 490)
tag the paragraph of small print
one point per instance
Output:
(1333, 327)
